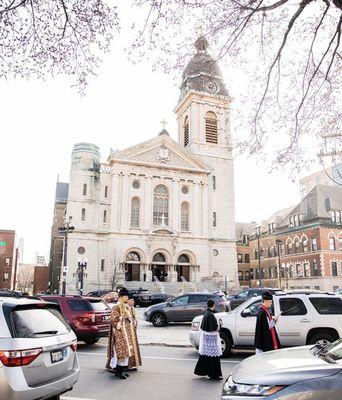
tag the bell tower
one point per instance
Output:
(204, 131)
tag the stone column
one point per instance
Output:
(175, 204)
(125, 202)
(114, 203)
(195, 211)
(148, 203)
(205, 210)
(173, 274)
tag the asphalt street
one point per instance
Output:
(167, 373)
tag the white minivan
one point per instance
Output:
(38, 357)
(305, 319)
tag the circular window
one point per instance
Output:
(185, 189)
(81, 250)
(215, 251)
(136, 184)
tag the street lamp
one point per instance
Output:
(279, 243)
(259, 258)
(64, 230)
(82, 265)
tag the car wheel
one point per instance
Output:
(91, 341)
(226, 344)
(321, 338)
(158, 320)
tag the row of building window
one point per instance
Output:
(160, 211)
(293, 271)
(211, 129)
(336, 216)
(7, 262)
(243, 258)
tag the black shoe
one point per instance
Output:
(120, 375)
(126, 375)
(132, 369)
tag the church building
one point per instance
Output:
(160, 210)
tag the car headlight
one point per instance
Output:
(195, 326)
(230, 387)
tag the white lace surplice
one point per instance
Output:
(210, 344)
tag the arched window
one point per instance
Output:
(186, 131)
(84, 189)
(211, 128)
(132, 256)
(185, 217)
(159, 258)
(214, 219)
(183, 259)
(296, 247)
(214, 182)
(83, 214)
(332, 245)
(161, 206)
(135, 212)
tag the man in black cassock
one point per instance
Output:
(210, 350)
(266, 337)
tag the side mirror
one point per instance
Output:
(169, 304)
(246, 313)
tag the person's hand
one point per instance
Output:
(220, 322)
(276, 317)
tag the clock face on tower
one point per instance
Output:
(210, 86)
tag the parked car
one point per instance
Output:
(183, 308)
(236, 300)
(305, 319)
(88, 317)
(149, 299)
(97, 293)
(305, 373)
(10, 293)
(38, 357)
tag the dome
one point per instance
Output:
(202, 74)
(202, 62)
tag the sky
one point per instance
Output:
(123, 106)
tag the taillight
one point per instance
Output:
(86, 319)
(73, 346)
(19, 358)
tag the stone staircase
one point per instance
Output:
(173, 288)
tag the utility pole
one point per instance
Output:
(279, 243)
(64, 230)
(82, 265)
(15, 267)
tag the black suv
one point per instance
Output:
(184, 308)
(236, 300)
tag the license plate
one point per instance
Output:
(58, 355)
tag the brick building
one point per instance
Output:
(7, 258)
(310, 236)
(243, 231)
(56, 247)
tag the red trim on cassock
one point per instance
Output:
(273, 331)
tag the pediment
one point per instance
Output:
(163, 152)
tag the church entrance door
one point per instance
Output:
(159, 267)
(133, 272)
(183, 271)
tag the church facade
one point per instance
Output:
(161, 209)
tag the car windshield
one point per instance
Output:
(334, 350)
(242, 295)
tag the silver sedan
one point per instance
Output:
(305, 373)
